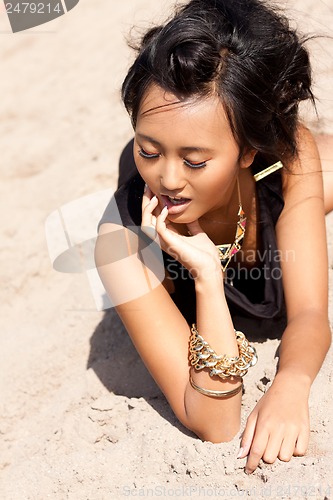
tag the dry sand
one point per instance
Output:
(80, 416)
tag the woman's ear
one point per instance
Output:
(247, 158)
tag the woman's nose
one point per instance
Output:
(172, 175)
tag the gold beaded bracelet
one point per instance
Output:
(216, 394)
(203, 356)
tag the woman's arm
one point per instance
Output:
(279, 425)
(161, 334)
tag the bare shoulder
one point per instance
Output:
(302, 178)
(301, 231)
(133, 253)
(129, 263)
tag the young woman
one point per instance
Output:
(229, 183)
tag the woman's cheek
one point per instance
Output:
(146, 176)
(142, 171)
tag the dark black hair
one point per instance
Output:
(245, 52)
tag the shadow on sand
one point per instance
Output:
(117, 364)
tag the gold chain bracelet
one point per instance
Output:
(203, 356)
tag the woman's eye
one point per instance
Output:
(147, 155)
(194, 164)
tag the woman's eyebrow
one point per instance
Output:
(196, 149)
(147, 138)
(185, 149)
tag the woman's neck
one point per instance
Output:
(220, 225)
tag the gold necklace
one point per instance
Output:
(228, 250)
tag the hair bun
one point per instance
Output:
(192, 65)
(191, 53)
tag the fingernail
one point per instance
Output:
(154, 198)
(146, 187)
(164, 209)
(240, 453)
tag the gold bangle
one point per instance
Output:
(216, 394)
(203, 356)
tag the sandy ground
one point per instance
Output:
(80, 416)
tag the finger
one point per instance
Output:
(257, 450)
(247, 436)
(147, 196)
(147, 211)
(168, 236)
(273, 447)
(148, 221)
(302, 442)
(288, 447)
(160, 221)
(194, 228)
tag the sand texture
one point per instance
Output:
(80, 417)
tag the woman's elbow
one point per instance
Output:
(218, 424)
(216, 434)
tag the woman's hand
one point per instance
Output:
(278, 427)
(195, 252)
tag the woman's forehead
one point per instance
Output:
(199, 123)
(160, 103)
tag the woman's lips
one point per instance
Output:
(175, 205)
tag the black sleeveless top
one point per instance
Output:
(254, 295)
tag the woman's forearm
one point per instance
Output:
(214, 419)
(303, 348)
(213, 317)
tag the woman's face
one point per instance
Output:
(186, 153)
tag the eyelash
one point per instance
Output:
(195, 165)
(153, 156)
(148, 156)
